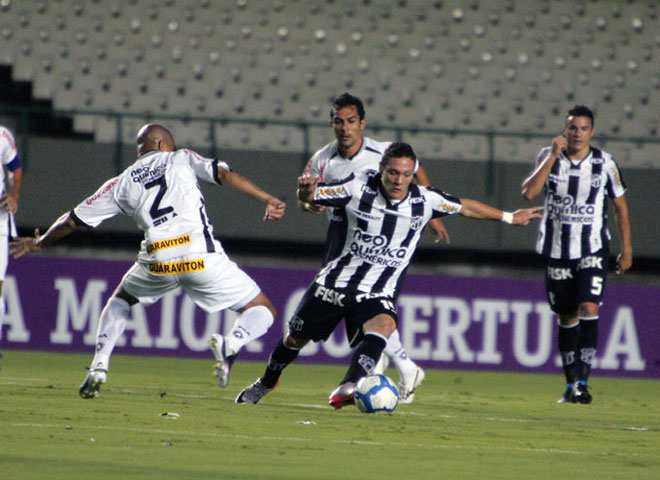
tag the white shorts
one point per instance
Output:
(4, 256)
(211, 280)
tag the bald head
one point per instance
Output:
(154, 137)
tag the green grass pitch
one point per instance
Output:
(462, 425)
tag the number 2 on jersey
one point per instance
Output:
(155, 211)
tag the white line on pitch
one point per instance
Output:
(552, 451)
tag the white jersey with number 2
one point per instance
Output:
(160, 192)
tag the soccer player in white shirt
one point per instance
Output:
(352, 152)
(385, 216)
(160, 192)
(10, 166)
(574, 239)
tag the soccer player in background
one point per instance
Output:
(11, 179)
(352, 152)
(160, 192)
(385, 215)
(574, 239)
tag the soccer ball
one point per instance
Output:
(376, 393)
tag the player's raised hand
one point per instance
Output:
(275, 209)
(526, 215)
(22, 245)
(559, 143)
(306, 186)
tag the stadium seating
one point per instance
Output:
(507, 65)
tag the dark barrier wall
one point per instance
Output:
(53, 304)
(62, 173)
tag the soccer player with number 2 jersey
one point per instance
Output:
(160, 192)
(574, 239)
(385, 216)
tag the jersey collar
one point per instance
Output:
(360, 150)
(578, 163)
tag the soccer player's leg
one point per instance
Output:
(591, 278)
(254, 320)
(138, 284)
(222, 285)
(284, 353)
(110, 327)
(561, 290)
(378, 318)
(411, 375)
(314, 319)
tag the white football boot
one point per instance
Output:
(409, 384)
(92, 383)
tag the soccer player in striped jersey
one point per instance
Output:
(352, 152)
(10, 166)
(574, 239)
(385, 216)
(160, 192)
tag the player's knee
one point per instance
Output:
(567, 319)
(293, 342)
(588, 309)
(261, 300)
(381, 324)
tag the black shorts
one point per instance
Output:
(569, 283)
(322, 308)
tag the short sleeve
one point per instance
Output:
(312, 168)
(101, 206)
(205, 169)
(335, 194)
(8, 150)
(541, 155)
(616, 187)
(443, 204)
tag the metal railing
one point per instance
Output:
(25, 115)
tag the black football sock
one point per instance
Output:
(279, 359)
(365, 357)
(568, 342)
(586, 345)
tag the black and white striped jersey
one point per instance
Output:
(575, 216)
(381, 235)
(329, 166)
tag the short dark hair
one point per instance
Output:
(581, 111)
(346, 100)
(398, 150)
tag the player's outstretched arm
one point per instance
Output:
(62, 227)
(475, 209)
(275, 207)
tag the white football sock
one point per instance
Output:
(250, 325)
(111, 326)
(398, 356)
